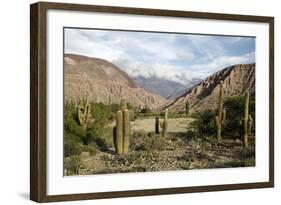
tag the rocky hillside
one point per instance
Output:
(100, 79)
(236, 80)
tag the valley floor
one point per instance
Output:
(173, 152)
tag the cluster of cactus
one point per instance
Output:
(220, 117)
(248, 120)
(83, 113)
(187, 108)
(121, 132)
(163, 124)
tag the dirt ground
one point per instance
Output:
(148, 125)
(150, 152)
(177, 153)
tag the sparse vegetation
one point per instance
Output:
(118, 137)
(92, 149)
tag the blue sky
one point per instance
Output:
(177, 57)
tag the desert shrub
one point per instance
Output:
(115, 107)
(152, 142)
(70, 123)
(204, 125)
(191, 133)
(92, 149)
(72, 165)
(72, 144)
(99, 112)
(235, 113)
(72, 148)
(95, 136)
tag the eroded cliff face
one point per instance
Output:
(102, 80)
(236, 80)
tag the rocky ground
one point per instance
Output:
(174, 152)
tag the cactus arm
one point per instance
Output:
(246, 119)
(123, 104)
(217, 121)
(115, 137)
(223, 116)
(161, 123)
(187, 108)
(119, 132)
(165, 123)
(126, 131)
(250, 124)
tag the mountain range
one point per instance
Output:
(166, 88)
(104, 82)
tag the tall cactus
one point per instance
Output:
(109, 106)
(248, 120)
(83, 112)
(123, 104)
(165, 123)
(187, 108)
(126, 131)
(121, 132)
(220, 118)
(157, 130)
(118, 132)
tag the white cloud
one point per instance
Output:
(149, 70)
(203, 70)
(80, 43)
(169, 56)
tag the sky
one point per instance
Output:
(176, 57)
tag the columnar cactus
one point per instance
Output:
(126, 131)
(165, 123)
(118, 133)
(248, 120)
(109, 106)
(220, 118)
(157, 130)
(187, 108)
(123, 104)
(121, 132)
(83, 112)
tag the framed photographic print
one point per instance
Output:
(135, 102)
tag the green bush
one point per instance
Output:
(72, 148)
(147, 142)
(72, 144)
(94, 136)
(234, 107)
(70, 123)
(204, 125)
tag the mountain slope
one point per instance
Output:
(163, 87)
(100, 79)
(236, 80)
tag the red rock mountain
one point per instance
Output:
(100, 79)
(236, 80)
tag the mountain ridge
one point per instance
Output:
(236, 80)
(103, 81)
